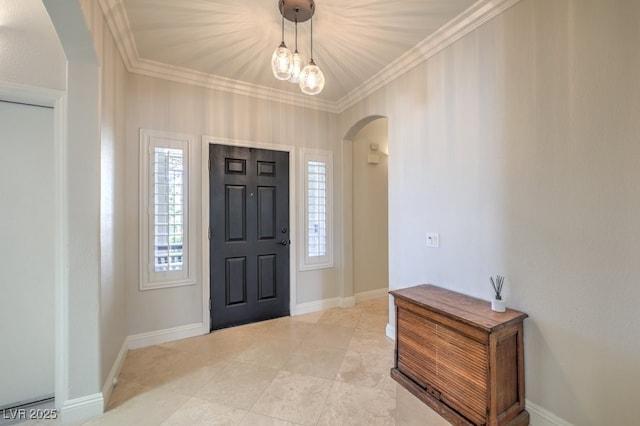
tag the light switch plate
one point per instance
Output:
(433, 240)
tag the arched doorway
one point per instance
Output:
(366, 213)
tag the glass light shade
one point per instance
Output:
(281, 62)
(311, 79)
(297, 65)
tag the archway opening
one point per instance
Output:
(367, 141)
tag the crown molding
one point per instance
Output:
(473, 17)
(476, 15)
(188, 76)
(116, 16)
(118, 22)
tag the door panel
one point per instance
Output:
(236, 213)
(268, 212)
(249, 219)
(267, 277)
(27, 253)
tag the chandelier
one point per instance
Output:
(293, 67)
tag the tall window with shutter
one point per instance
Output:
(318, 224)
(167, 222)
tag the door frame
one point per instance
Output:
(56, 99)
(206, 255)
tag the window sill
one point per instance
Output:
(165, 284)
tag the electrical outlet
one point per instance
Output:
(433, 240)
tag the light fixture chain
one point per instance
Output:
(296, 32)
(283, 21)
(312, 37)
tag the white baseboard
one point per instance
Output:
(168, 335)
(75, 410)
(348, 302)
(391, 331)
(339, 302)
(107, 388)
(538, 416)
(371, 294)
(318, 305)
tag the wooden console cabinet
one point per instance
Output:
(459, 357)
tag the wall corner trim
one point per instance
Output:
(542, 417)
(158, 337)
(75, 410)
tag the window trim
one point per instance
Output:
(308, 263)
(149, 278)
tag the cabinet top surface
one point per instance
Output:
(475, 312)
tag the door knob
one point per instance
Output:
(283, 242)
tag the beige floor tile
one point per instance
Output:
(342, 317)
(150, 407)
(316, 361)
(124, 391)
(328, 368)
(237, 385)
(413, 412)
(373, 322)
(198, 412)
(268, 352)
(378, 306)
(145, 365)
(294, 397)
(157, 365)
(372, 342)
(224, 344)
(354, 405)
(312, 318)
(191, 380)
(253, 419)
(329, 335)
(367, 369)
(288, 329)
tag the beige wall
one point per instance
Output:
(174, 107)
(519, 144)
(370, 206)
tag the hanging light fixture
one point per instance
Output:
(282, 58)
(297, 61)
(309, 77)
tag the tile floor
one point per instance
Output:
(325, 368)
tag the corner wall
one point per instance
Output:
(113, 315)
(77, 297)
(519, 145)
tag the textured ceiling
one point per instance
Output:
(353, 40)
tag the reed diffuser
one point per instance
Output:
(497, 303)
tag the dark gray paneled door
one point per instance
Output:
(249, 219)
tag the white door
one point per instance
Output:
(26, 253)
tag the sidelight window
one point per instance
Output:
(166, 219)
(318, 251)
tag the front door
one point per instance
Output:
(249, 219)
